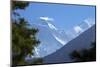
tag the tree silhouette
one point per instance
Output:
(22, 42)
(19, 5)
(23, 37)
(85, 54)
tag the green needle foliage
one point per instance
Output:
(23, 41)
(23, 37)
(19, 5)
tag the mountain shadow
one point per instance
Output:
(83, 41)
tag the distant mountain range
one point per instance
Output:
(48, 43)
(52, 38)
(82, 41)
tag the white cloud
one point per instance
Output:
(52, 26)
(36, 51)
(78, 29)
(90, 21)
(46, 18)
(60, 40)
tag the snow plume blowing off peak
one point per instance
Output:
(60, 36)
(64, 37)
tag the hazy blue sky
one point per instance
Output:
(65, 16)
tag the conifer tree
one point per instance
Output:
(23, 37)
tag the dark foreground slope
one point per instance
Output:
(82, 41)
